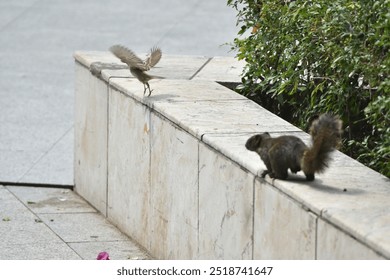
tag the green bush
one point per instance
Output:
(308, 57)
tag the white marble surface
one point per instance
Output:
(222, 69)
(225, 207)
(174, 191)
(209, 116)
(171, 67)
(175, 91)
(129, 166)
(353, 197)
(87, 58)
(282, 228)
(335, 244)
(90, 129)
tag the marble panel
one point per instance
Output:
(90, 132)
(333, 244)
(174, 192)
(225, 207)
(282, 228)
(129, 166)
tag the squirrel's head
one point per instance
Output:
(254, 142)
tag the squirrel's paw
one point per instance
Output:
(270, 174)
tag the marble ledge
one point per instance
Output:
(218, 69)
(106, 65)
(222, 69)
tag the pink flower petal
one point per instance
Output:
(103, 256)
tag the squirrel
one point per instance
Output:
(284, 152)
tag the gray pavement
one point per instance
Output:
(37, 41)
(55, 223)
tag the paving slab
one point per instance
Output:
(32, 125)
(51, 200)
(211, 19)
(15, 163)
(55, 166)
(37, 223)
(82, 227)
(18, 225)
(9, 11)
(38, 251)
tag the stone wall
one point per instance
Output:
(172, 172)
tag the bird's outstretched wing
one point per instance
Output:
(153, 58)
(127, 56)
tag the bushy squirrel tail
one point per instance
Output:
(326, 133)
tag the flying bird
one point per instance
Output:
(138, 67)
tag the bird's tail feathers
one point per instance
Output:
(156, 77)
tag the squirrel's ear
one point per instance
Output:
(266, 134)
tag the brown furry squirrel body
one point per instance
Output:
(284, 152)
